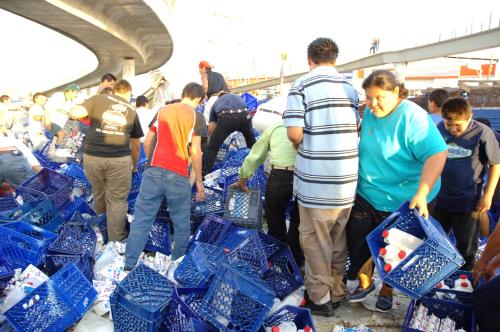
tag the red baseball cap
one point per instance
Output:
(205, 64)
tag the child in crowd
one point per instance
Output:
(472, 150)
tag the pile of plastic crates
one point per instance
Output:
(140, 301)
(301, 317)
(56, 304)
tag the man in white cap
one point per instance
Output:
(279, 189)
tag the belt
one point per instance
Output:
(230, 112)
(12, 152)
(271, 111)
(287, 168)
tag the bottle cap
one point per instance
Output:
(387, 267)
(382, 251)
(439, 285)
(307, 328)
(302, 302)
(275, 329)
(401, 254)
(385, 233)
(463, 284)
(463, 276)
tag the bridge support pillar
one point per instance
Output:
(400, 71)
(128, 68)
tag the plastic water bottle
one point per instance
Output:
(285, 327)
(392, 262)
(463, 284)
(440, 295)
(401, 239)
(306, 328)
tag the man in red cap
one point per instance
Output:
(213, 83)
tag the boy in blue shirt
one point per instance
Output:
(472, 150)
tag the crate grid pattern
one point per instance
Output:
(283, 275)
(213, 203)
(8, 203)
(300, 316)
(139, 301)
(75, 239)
(57, 186)
(76, 171)
(55, 262)
(432, 261)
(159, 238)
(77, 204)
(199, 264)
(63, 299)
(235, 302)
(180, 314)
(244, 208)
(23, 244)
(462, 314)
(40, 213)
(212, 230)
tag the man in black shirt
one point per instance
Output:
(111, 152)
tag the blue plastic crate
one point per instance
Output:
(250, 246)
(199, 264)
(212, 204)
(76, 171)
(8, 203)
(77, 204)
(93, 220)
(431, 262)
(300, 316)
(55, 262)
(244, 208)
(74, 239)
(181, 316)
(211, 230)
(30, 195)
(462, 314)
(57, 186)
(258, 180)
(283, 275)
(24, 244)
(6, 273)
(463, 297)
(56, 304)
(159, 238)
(44, 161)
(236, 302)
(41, 213)
(139, 301)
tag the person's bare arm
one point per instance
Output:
(295, 135)
(135, 147)
(148, 143)
(433, 168)
(78, 112)
(484, 202)
(196, 162)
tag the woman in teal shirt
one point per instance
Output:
(401, 155)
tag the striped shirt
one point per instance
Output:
(326, 170)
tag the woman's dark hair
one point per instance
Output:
(385, 80)
(322, 50)
(141, 101)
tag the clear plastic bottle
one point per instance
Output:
(401, 239)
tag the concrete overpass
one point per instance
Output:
(473, 42)
(114, 30)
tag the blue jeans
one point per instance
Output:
(14, 168)
(156, 184)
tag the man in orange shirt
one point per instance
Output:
(177, 132)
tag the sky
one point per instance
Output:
(247, 38)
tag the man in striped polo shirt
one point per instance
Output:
(321, 117)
